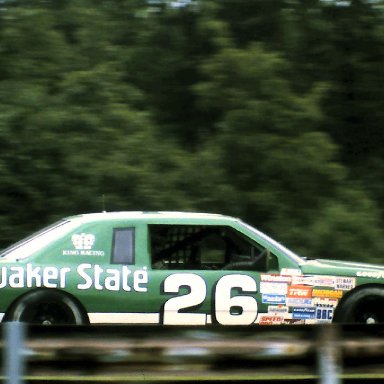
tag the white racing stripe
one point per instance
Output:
(129, 318)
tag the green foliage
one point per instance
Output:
(266, 110)
(348, 228)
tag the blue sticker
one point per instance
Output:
(268, 298)
(304, 313)
(324, 313)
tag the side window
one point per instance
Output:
(204, 247)
(123, 246)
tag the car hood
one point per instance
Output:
(343, 268)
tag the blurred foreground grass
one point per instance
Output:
(175, 377)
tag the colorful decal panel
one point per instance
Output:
(293, 298)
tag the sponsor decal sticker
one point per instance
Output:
(324, 313)
(293, 321)
(270, 319)
(111, 279)
(372, 274)
(345, 283)
(83, 244)
(282, 309)
(30, 276)
(299, 291)
(325, 302)
(298, 302)
(304, 313)
(320, 281)
(290, 272)
(327, 293)
(274, 288)
(324, 281)
(83, 241)
(276, 278)
(91, 277)
(273, 299)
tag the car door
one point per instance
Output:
(208, 274)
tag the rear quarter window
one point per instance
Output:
(123, 246)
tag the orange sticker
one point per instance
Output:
(299, 291)
(327, 293)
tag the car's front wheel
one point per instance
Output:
(363, 306)
(46, 307)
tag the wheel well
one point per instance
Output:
(352, 292)
(76, 301)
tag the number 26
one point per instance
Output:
(228, 309)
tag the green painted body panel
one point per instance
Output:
(75, 258)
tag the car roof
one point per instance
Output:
(166, 216)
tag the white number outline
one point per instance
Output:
(174, 310)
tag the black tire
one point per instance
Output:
(365, 306)
(46, 307)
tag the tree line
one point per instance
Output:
(271, 111)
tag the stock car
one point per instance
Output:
(175, 268)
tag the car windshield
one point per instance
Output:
(31, 244)
(297, 259)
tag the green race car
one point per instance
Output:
(177, 268)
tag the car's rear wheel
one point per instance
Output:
(46, 307)
(363, 306)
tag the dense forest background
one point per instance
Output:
(270, 110)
